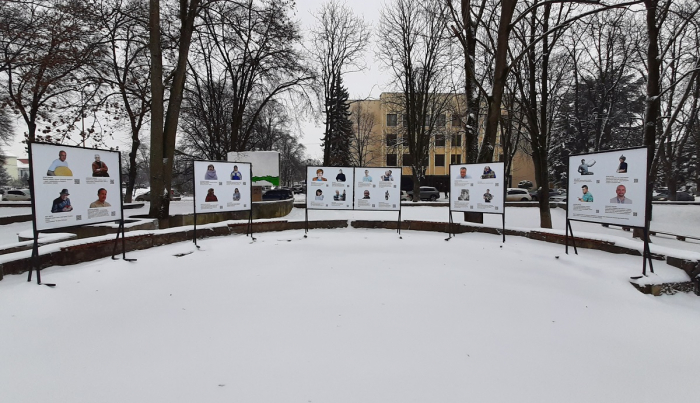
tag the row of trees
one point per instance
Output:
(213, 76)
(555, 78)
(210, 77)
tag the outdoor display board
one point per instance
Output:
(378, 188)
(608, 187)
(477, 188)
(266, 163)
(329, 188)
(74, 186)
(222, 186)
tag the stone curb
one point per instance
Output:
(100, 249)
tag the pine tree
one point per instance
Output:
(339, 126)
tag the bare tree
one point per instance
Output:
(127, 94)
(662, 34)
(46, 48)
(164, 124)
(467, 18)
(338, 41)
(414, 45)
(245, 57)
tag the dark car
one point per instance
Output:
(552, 192)
(680, 196)
(278, 194)
(426, 193)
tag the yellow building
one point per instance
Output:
(380, 122)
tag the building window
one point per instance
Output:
(456, 121)
(439, 160)
(456, 159)
(456, 140)
(391, 160)
(439, 140)
(407, 160)
(391, 119)
(391, 139)
(441, 120)
(404, 120)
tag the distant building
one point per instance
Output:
(388, 148)
(11, 165)
(23, 168)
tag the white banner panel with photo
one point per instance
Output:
(608, 187)
(378, 188)
(74, 186)
(329, 188)
(477, 188)
(221, 186)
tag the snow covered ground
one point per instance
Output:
(349, 315)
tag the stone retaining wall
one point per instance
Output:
(101, 249)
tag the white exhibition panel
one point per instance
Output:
(222, 186)
(604, 181)
(378, 188)
(71, 169)
(477, 188)
(329, 188)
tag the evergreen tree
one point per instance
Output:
(339, 126)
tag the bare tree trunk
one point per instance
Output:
(653, 97)
(163, 140)
(500, 75)
(157, 108)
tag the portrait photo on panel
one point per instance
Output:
(587, 196)
(319, 176)
(99, 168)
(211, 197)
(620, 198)
(59, 167)
(61, 204)
(236, 175)
(583, 168)
(101, 199)
(210, 174)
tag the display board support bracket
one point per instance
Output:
(120, 231)
(647, 253)
(398, 224)
(194, 237)
(249, 228)
(566, 237)
(306, 220)
(34, 263)
(504, 226)
(450, 232)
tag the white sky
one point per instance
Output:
(368, 83)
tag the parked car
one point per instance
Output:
(552, 193)
(17, 195)
(296, 189)
(525, 184)
(174, 196)
(278, 194)
(560, 198)
(426, 193)
(405, 196)
(680, 196)
(517, 194)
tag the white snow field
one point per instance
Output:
(347, 316)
